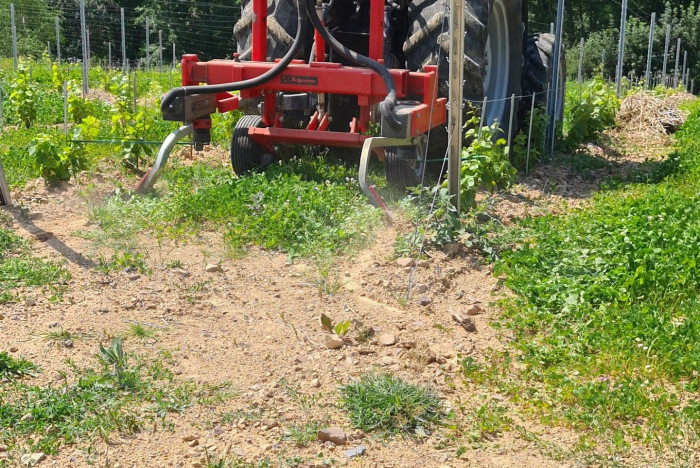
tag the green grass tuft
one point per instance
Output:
(389, 405)
(16, 367)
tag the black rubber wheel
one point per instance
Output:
(281, 28)
(404, 166)
(245, 153)
(489, 25)
(539, 62)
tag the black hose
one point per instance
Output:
(386, 107)
(174, 93)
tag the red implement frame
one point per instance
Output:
(318, 77)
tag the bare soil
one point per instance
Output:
(255, 324)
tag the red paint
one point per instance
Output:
(259, 31)
(376, 29)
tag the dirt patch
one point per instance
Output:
(255, 324)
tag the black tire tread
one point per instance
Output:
(245, 153)
(539, 60)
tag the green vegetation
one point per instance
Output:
(15, 367)
(118, 396)
(589, 110)
(303, 207)
(606, 312)
(18, 268)
(389, 405)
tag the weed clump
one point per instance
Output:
(389, 405)
(12, 367)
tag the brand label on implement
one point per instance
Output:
(299, 80)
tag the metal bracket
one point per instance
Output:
(146, 183)
(5, 198)
(368, 147)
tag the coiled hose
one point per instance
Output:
(386, 107)
(174, 93)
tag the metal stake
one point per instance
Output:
(174, 57)
(580, 70)
(554, 90)
(14, 34)
(510, 122)
(83, 38)
(65, 110)
(58, 41)
(109, 55)
(621, 49)
(602, 65)
(666, 46)
(678, 58)
(454, 126)
(650, 51)
(160, 50)
(123, 42)
(685, 64)
(483, 113)
(148, 45)
(529, 136)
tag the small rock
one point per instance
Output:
(388, 361)
(134, 277)
(452, 248)
(189, 438)
(474, 309)
(269, 423)
(423, 263)
(355, 452)
(193, 443)
(425, 300)
(3, 448)
(386, 339)
(32, 459)
(42, 236)
(404, 262)
(27, 417)
(212, 268)
(13, 349)
(332, 434)
(421, 288)
(52, 324)
(30, 301)
(333, 341)
(315, 383)
(68, 343)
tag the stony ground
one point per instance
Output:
(249, 328)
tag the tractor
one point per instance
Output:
(335, 73)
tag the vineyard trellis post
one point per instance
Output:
(602, 64)
(14, 34)
(174, 57)
(652, 26)
(685, 64)
(678, 57)
(160, 50)
(553, 96)
(121, 12)
(456, 95)
(148, 44)
(83, 40)
(109, 55)
(621, 49)
(65, 110)
(580, 70)
(58, 41)
(668, 43)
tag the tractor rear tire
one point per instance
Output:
(493, 55)
(281, 28)
(539, 62)
(404, 166)
(246, 154)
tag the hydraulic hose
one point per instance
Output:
(181, 91)
(386, 107)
